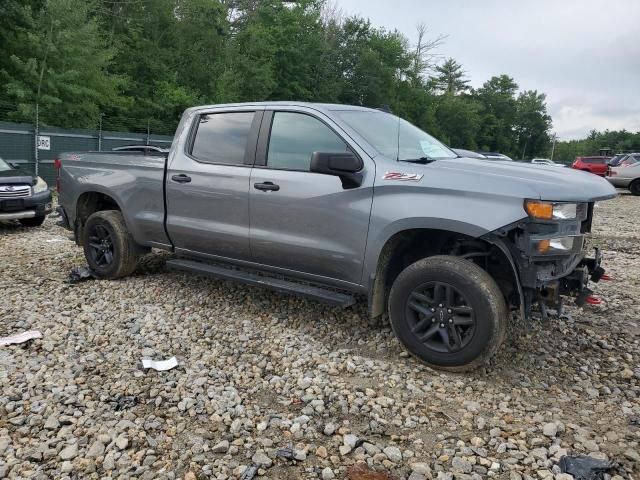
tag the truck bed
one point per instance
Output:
(136, 180)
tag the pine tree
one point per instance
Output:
(450, 78)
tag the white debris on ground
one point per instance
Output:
(262, 372)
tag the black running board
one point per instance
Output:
(318, 294)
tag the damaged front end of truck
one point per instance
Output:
(550, 255)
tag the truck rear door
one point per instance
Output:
(208, 184)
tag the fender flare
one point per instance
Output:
(500, 244)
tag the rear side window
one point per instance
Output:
(221, 138)
(593, 160)
(295, 136)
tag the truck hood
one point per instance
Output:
(546, 182)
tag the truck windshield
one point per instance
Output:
(394, 137)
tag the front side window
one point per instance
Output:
(394, 137)
(294, 138)
(222, 137)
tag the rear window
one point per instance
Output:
(222, 137)
(593, 160)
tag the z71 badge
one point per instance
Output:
(404, 177)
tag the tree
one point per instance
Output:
(458, 121)
(449, 78)
(498, 113)
(532, 124)
(60, 72)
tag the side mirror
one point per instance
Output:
(345, 165)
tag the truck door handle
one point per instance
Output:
(266, 186)
(182, 178)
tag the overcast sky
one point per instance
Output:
(584, 54)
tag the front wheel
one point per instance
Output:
(108, 247)
(448, 312)
(32, 222)
(634, 188)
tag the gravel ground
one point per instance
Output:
(296, 388)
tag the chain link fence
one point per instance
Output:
(34, 149)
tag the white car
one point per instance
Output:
(546, 161)
(626, 176)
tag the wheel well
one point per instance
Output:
(89, 203)
(409, 246)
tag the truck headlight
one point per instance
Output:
(40, 186)
(559, 245)
(551, 210)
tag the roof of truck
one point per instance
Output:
(317, 106)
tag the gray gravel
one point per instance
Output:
(295, 388)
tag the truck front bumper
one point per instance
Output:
(37, 205)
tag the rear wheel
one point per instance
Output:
(108, 247)
(32, 222)
(448, 312)
(634, 188)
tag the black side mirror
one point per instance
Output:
(345, 165)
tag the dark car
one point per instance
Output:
(596, 165)
(468, 153)
(496, 156)
(146, 149)
(23, 197)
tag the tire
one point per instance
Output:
(634, 188)
(108, 247)
(32, 222)
(478, 323)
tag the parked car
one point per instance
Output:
(496, 156)
(596, 165)
(330, 201)
(616, 159)
(630, 159)
(626, 176)
(140, 149)
(23, 197)
(546, 161)
(468, 153)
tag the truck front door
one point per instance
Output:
(208, 184)
(304, 222)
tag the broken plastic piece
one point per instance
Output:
(583, 467)
(606, 277)
(286, 453)
(126, 401)
(80, 274)
(20, 337)
(591, 300)
(250, 472)
(160, 365)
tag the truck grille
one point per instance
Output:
(14, 191)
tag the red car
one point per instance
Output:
(597, 165)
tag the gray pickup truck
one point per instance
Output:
(335, 201)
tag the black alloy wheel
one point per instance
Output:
(440, 316)
(448, 312)
(108, 246)
(100, 245)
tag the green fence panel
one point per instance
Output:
(17, 144)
